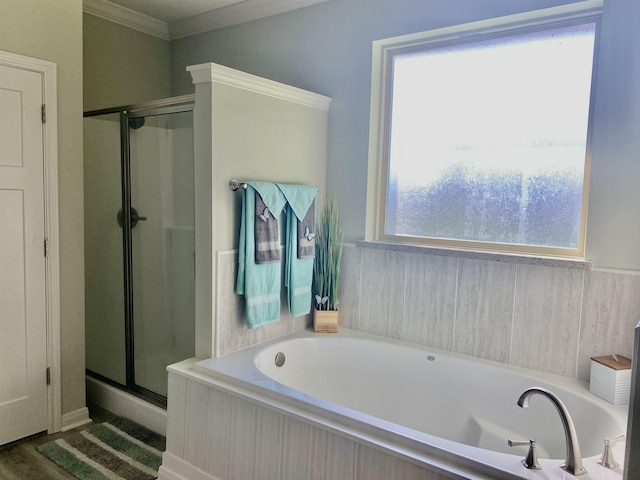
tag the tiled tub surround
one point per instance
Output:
(547, 318)
(325, 414)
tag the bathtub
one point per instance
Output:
(432, 413)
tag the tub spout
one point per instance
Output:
(573, 460)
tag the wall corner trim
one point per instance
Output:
(212, 72)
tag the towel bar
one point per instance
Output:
(235, 185)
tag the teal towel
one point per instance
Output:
(272, 196)
(299, 197)
(260, 284)
(298, 274)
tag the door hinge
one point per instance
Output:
(44, 113)
(46, 248)
(48, 376)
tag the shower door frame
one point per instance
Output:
(165, 106)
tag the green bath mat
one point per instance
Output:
(117, 449)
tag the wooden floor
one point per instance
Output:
(21, 461)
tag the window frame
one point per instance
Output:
(380, 121)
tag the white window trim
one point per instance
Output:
(381, 53)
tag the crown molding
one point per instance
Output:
(235, 14)
(126, 17)
(212, 72)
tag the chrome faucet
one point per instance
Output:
(607, 459)
(573, 459)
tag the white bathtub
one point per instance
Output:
(446, 413)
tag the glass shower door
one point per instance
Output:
(104, 293)
(162, 245)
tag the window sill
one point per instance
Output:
(574, 263)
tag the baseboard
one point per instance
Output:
(75, 419)
(121, 403)
(174, 468)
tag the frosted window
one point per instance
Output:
(487, 140)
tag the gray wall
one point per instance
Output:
(122, 66)
(52, 31)
(613, 232)
(327, 49)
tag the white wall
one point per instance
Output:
(52, 31)
(245, 128)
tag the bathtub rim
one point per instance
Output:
(435, 453)
(445, 463)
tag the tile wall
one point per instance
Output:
(548, 318)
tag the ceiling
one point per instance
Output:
(170, 10)
(171, 19)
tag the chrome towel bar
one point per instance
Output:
(235, 185)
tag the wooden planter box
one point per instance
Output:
(325, 321)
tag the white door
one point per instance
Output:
(23, 323)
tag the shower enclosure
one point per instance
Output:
(139, 243)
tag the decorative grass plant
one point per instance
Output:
(326, 269)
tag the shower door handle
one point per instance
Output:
(135, 218)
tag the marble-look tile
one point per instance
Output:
(611, 311)
(547, 319)
(382, 292)
(392, 292)
(349, 287)
(430, 299)
(484, 309)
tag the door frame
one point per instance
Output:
(48, 72)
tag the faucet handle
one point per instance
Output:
(607, 459)
(531, 460)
